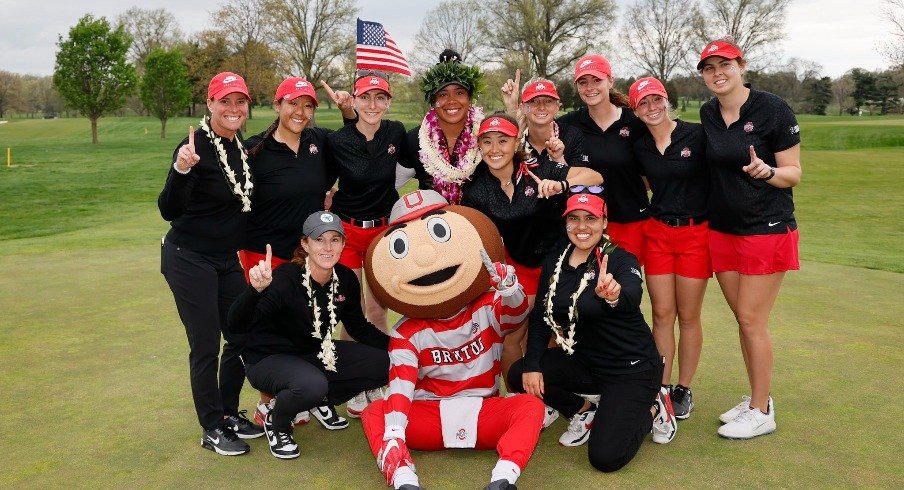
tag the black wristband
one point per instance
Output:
(771, 174)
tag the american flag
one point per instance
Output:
(377, 51)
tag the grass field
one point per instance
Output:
(93, 356)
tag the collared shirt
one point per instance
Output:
(206, 217)
(739, 204)
(679, 176)
(529, 226)
(611, 153)
(288, 187)
(573, 140)
(367, 169)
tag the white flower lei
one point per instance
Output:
(567, 343)
(243, 195)
(435, 163)
(327, 347)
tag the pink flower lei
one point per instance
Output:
(448, 178)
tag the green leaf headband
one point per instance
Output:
(451, 72)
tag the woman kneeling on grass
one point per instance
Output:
(290, 315)
(590, 293)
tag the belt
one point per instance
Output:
(369, 223)
(676, 222)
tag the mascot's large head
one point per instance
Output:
(427, 264)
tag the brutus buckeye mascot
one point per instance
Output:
(439, 266)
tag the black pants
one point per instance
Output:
(301, 383)
(623, 417)
(204, 287)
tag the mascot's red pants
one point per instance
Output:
(511, 425)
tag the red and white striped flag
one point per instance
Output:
(377, 51)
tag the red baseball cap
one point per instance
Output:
(537, 88)
(719, 48)
(643, 87)
(372, 82)
(416, 204)
(592, 64)
(294, 87)
(498, 124)
(591, 203)
(225, 83)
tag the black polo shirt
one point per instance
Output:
(573, 140)
(288, 187)
(739, 204)
(529, 226)
(679, 177)
(611, 153)
(366, 169)
(206, 217)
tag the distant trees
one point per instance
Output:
(893, 13)
(149, 29)
(451, 24)
(756, 25)
(165, 89)
(91, 70)
(659, 36)
(875, 90)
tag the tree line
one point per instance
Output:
(143, 62)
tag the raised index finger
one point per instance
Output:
(329, 91)
(518, 79)
(269, 257)
(753, 156)
(604, 266)
(191, 137)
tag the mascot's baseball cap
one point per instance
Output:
(371, 82)
(592, 64)
(321, 222)
(539, 87)
(594, 205)
(225, 83)
(415, 204)
(498, 124)
(719, 48)
(643, 87)
(294, 87)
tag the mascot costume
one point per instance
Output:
(439, 266)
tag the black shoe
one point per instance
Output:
(223, 441)
(500, 484)
(682, 401)
(243, 427)
(282, 445)
(327, 416)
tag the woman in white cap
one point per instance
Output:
(292, 175)
(753, 151)
(610, 130)
(206, 199)
(673, 157)
(290, 315)
(590, 293)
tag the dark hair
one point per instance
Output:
(260, 145)
(299, 255)
(619, 99)
(449, 55)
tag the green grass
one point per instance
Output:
(93, 358)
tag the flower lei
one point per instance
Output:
(447, 178)
(243, 195)
(567, 342)
(327, 348)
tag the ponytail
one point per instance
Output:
(260, 145)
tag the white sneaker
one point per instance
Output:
(356, 405)
(327, 416)
(261, 411)
(374, 395)
(734, 412)
(301, 418)
(665, 426)
(750, 423)
(579, 428)
(549, 416)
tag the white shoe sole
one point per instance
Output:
(284, 456)
(331, 427)
(743, 437)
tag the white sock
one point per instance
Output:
(505, 469)
(404, 475)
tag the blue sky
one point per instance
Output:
(838, 34)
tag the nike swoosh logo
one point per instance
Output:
(635, 362)
(215, 441)
(272, 438)
(773, 224)
(643, 209)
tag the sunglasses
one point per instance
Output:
(369, 73)
(589, 189)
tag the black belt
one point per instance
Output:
(676, 222)
(368, 223)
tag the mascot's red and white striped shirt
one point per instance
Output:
(453, 357)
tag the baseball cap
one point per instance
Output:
(225, 83)
(592, 64)
(538, 88)
(321, 222)
(415, 204)
(594, 205)
(294, 87)
(719, 48)
(643, 87)
(498, 124)
(372, 82)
